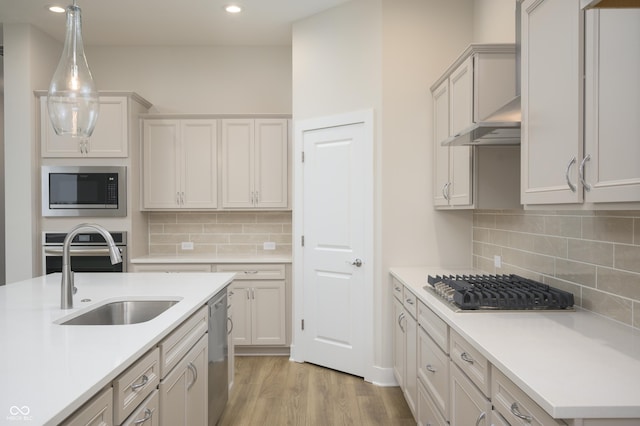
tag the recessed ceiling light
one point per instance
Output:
(233, 8)
(56, 9)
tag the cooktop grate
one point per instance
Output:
(499, 292)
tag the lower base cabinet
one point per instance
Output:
(97, 412)
(147, 414)
(183, 392)
(428, 414)
(468, 405)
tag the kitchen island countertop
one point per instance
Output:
(575, 365)
(49, 370)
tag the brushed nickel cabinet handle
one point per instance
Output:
(480, 417)
(143, 382)
(572, 187)
(586, 186)
(430, 368)
(194, 370)
(147, 416)
(466, 357)
(516, 412)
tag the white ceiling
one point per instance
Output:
(170, 22)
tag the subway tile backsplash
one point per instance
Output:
(593, 254)
(220, 233)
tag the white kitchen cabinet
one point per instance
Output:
(480, 81)
(110, 137)
(183, 392)
(133, 386)
(578, 134)
(612, 109)
(180, 164)
(171, 267)
(259, 313)
(405, 347)
(259, 304)
(96, 412)
(428, 414)
(516, 407)
(552, 107)
(433, 371)
(147, 413)
(255, 163)
(468, 405)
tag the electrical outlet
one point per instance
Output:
(187, 245)
(269, 245)
(497, 261)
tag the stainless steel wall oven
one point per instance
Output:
(89, 252)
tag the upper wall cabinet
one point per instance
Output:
(579, 140)
(612, 106)
(179, 162)
(551, 101)
(109, 139)
(255, 163)
(479, 82)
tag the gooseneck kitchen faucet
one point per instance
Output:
(66, 285)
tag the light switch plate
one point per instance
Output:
(497, 261)
(187, 245)
(269, 245)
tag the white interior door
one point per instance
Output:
(337, 257)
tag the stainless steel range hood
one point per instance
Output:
(503, 126)
(500, 128)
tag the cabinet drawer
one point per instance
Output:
(178, 343)
(428, 414)
(397, 289)
(147, 413)
(410, 303)
(475, 366)
(134, 385)
(435, 327)
(514, 405)
(433, 371)
(468, 405)
(254, 271)
(169, 267)
(99, 410)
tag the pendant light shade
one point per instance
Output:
(73, 99)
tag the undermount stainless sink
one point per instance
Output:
(122, 312)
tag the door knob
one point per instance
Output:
(357, 262)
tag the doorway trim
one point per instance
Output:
(366, 117)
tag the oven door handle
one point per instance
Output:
(79, 251)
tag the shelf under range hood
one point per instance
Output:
(501, 128)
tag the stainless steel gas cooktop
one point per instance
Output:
(498, 292)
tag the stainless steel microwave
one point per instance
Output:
(84, 191)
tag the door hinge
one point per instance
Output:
(302, 241)
(303, 156)
(302, 324)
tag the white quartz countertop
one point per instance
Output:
(573, 364)
(48, 370)
(203, 258)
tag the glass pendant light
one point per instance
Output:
(73, 99)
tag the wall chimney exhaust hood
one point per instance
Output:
(500, 128)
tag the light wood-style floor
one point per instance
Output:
(273, 391)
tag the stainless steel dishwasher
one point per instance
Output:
(218, 356)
